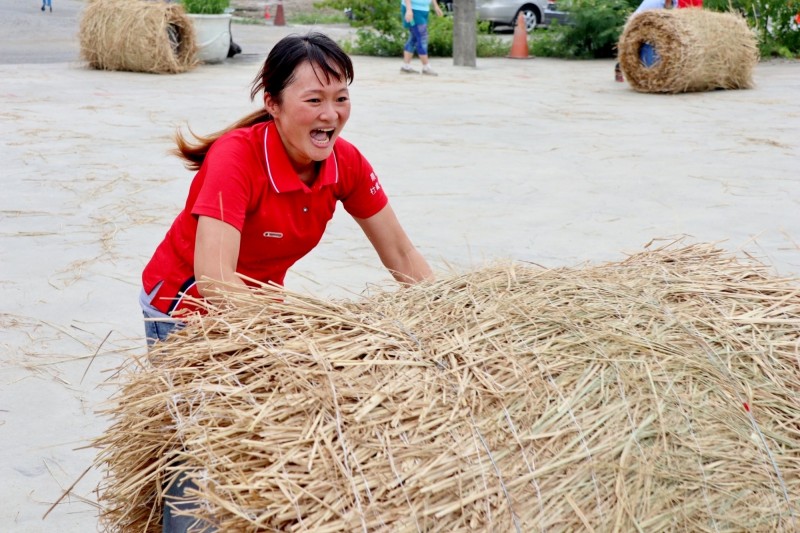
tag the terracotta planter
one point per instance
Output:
(213, 36)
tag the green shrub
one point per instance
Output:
(593, 31)
(773, 22)
(381, 15)
(318, 17)
(369, 42)
(440, 36)
(205, 7)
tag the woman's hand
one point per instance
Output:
(409, 16)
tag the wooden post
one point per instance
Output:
(465, 38)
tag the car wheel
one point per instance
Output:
(531, 18)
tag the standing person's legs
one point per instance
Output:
(422, 49)
(409, 48)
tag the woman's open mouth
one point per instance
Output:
(322, 137)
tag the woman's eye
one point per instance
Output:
(342, 99)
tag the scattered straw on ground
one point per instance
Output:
(699, 50)
(138, 36)
(656, 393)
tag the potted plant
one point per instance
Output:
(212, 24)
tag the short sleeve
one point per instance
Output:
(363, 194)
(227, 184)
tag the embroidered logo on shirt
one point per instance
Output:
(273, 235)
(375, 185)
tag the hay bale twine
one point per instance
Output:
(137, 36)
(696, 50)
(657, 393)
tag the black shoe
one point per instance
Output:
(234, 49)
(43, 8)
(51, 9)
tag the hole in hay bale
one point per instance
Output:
(648, 55)
(174, 36)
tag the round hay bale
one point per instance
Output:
(657, 393)
(137, 36)
(696, 50)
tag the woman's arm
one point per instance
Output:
(216, 253)
(395, 249)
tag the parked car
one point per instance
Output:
(551, 13)
(505, 12)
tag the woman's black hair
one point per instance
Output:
(290, 52)
(278, 72)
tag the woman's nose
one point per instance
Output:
(328, 110)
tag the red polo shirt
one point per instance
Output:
(248, 181)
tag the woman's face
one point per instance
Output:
(310, 115)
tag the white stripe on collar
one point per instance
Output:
(266, 159)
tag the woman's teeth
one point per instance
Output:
(322, 136)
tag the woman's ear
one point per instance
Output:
(271, 105)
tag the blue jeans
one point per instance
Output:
(157, 325)
(181, 524)
(417, 32)
(157, 330)
(417, 40)
(47, 3)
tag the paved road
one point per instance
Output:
(28, 35)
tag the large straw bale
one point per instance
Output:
(699, 50)
(138, 36)
(657, 393)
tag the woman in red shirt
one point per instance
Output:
(264, 191)
(267, 185)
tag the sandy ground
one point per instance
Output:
(540, 160)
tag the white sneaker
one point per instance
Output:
(428, 71)
(408, 69)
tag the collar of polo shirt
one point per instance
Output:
(280, 171)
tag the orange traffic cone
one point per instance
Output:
(279, 20)
(519, 46)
